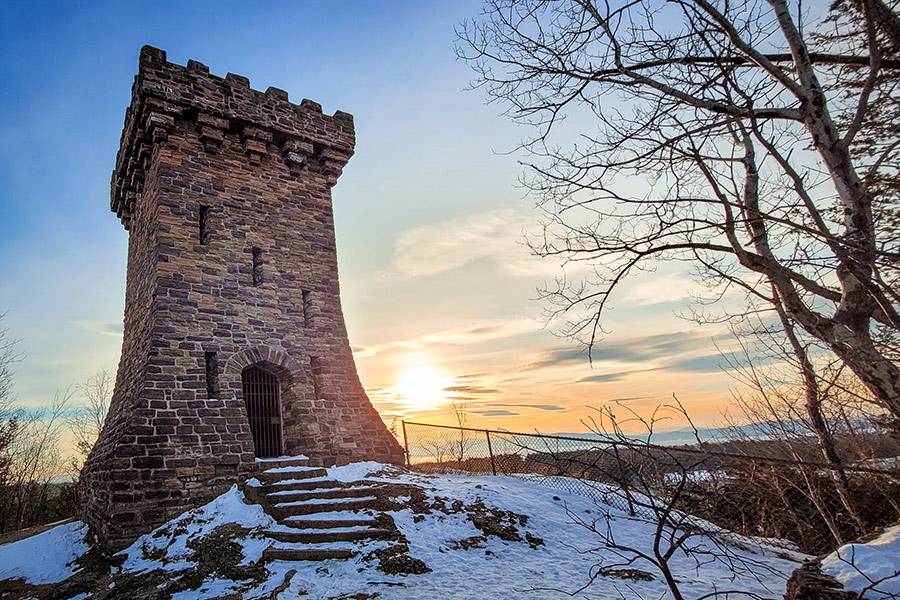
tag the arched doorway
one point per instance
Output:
(262, 397)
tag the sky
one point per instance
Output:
(438, 288)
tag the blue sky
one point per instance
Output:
(435, 280)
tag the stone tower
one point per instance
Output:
(234, 343)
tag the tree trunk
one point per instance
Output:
(847, 333)
(880, 375)
(813, 400)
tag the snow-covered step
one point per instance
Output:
(291, 469)
(308, 553)
(338, 534)
(329, 502)
(309, 522)
(288, 529)
(283, 461)
(329, 520)
(336, 515)
(274, 459)
(282, 491)
(269, 476)
(288, 509)
(322, 493)
(299, 484)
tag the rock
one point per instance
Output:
(809, 583)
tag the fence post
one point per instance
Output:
(405, 442)
(491, 453)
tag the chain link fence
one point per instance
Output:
(761, 488)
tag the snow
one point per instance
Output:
(357, 471)
(891, 463)
(301, 469)
(317, 545)
(290, 482)
(698, 476)
(46, 557)
(565, 560)
(505, 568)
(173, 537)
(313, 491)
(338, 529)
(493, 568)
(873, 566)
(333, 515)
(319, 501)
(210, 589)
(282, 458)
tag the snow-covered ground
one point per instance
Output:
(873, 567)
(168, 545)
(46, 557)
(553, 557)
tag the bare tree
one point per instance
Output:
(653, 484)
(847, 30)
(460, 411)
(88, 418)
(31, 458)
(719, 135)
(790, 404)
(36, 464)
(438, 450)
(10, 417)
(810, 414)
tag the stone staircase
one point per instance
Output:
(318, 518)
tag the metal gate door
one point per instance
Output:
(261, 396)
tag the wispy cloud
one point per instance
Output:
(497, 235)
(472, 376)
(702, 363)
(496, 413)
(627, 399)
(720, 361)
(471, 389)
(102, 327)
(615, 376)
(458, 336)
(549, 407)
(661, 289)
(629, 350)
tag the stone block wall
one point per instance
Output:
(226, 194)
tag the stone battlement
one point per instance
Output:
(268, 125)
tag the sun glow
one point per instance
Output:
(422, 387)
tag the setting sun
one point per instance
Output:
(422, 387)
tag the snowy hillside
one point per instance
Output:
(871, 569)
(456, 536)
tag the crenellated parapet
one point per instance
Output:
(269, 126)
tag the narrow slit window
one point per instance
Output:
(315, 364)
(203, 224)
(212, 374)
(307, 309)
(257, 266)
